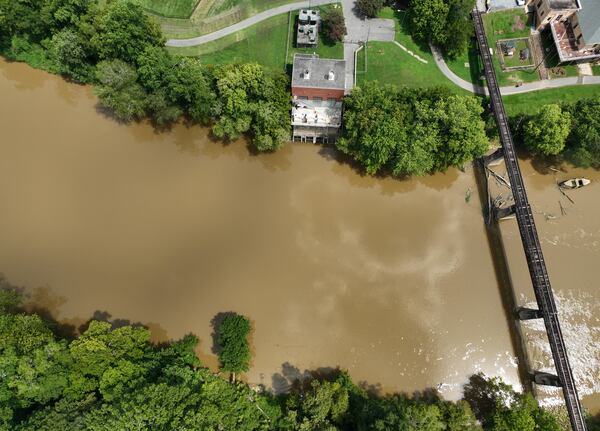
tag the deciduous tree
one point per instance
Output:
(546, 132)
(234, 350)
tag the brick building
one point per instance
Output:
(318, 86)
(575, 27)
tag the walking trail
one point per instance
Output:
(361, 30)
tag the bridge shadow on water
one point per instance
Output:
(504, 279)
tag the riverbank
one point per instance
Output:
(353, 247)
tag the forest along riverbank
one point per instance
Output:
(392, 280)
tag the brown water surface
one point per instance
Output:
(392, 280)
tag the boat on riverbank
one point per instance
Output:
(574, 183)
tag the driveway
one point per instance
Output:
(361, 30)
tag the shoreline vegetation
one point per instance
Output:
(120, 50)
(106, 376)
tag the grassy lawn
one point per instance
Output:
(513, 23)
(515, 59)
(170, 8)
(263, 43)
(596, 70)
(208, 16)
(531, 102)
(468, 66)
(388, 63)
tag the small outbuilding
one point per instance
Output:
(309, 21)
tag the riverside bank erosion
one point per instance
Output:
(392, 280)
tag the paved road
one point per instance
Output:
(507, 91)
(246, 23)
(360, 30)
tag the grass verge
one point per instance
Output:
(387, 62)
(531, 102)
(170, 8)
(263, 43)
(211, 16)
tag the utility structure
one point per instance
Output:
(531, 244)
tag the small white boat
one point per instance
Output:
(574, 183)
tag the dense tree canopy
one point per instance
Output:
(546, 132)
(118, 48)
(446, 23)
(234, 349)
(112, 378)
(583, 145)
(411, 132)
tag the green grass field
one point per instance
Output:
(531, 102)
(263, 43)
(170, 8)
(206, 16)
(468, 66)
(388, 63)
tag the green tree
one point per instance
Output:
(546, 132)
(583, 145)
(500, 408)
(69, 53)
(373, 126)
(429, 19)
(59, 14)
(457, 120)
(459, 27)
(192, 88)
(234, 350)
(123, 31)
(334, 26)
(369, 8)
(119, 91)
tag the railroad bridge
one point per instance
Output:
(531, 244)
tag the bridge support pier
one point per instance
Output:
(546, 379)
(503, 213)
(493, 159)
(529, 313)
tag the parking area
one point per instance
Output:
(494, 5)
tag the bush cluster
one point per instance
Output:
(114, 378)
(118, 48)
(405, 131)
(570, 131)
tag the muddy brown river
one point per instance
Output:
(392, 280)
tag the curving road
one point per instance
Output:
(357, 26)
(255, 19)
(507, 91)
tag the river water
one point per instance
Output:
(392, 280)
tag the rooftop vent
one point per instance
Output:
(331, 75)
(306, 74)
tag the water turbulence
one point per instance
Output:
(392, 280)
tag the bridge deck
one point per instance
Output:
(529, 237)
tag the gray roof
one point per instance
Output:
(589, 20)
(318, 72)
(563, 4)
